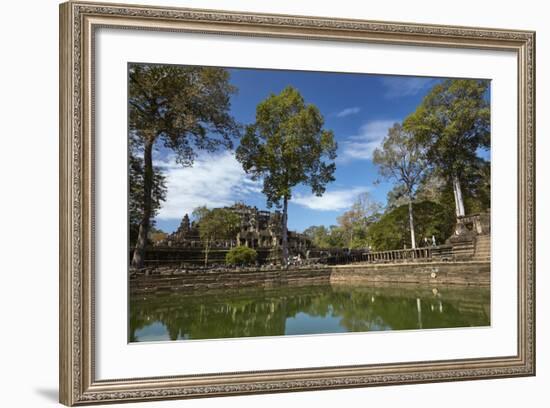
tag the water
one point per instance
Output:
(311, 309)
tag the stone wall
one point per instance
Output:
(176, 280)
(462, 273)
(164, 256)
(172, 279)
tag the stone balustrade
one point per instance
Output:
(439, 253)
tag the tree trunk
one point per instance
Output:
(206, 249)
(459, 202)
(139, 251)
(411, 224)
(285, 231)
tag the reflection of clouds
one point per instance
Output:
(303, 310)
(214, 180)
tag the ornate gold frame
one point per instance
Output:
(77, 24)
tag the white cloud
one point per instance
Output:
(348, 112)
(362, 145)
(214, 180)
(331, 200)
(405, 86)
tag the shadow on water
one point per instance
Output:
(314, 309)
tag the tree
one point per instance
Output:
(477, 182)
(241, 255)
(287, 146)
(402, 159)
(336, 237)
(453, 123)
(390, 232)
(215, 224)
(355, 222)
(319, 235)
(135, 195)
(184, 108)
(156, 235)
(434, 188)
(396, 197)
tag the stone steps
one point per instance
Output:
(482, 248)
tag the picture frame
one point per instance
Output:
(79, 23)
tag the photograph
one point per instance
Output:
(262, 202)
(265, 202)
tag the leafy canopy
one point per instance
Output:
(186, 107)
(216, 224)
(354, 223)
(287, 145)
(392, 230)
(135, 194)
(352, 229)
(452, 123)
(401, 158)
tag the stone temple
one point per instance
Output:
(261, 230)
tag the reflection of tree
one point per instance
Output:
(264, 312)
(396, 309)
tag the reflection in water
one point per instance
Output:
(304, 310)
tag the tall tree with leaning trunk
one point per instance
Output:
(182, 108)
(287, 146)
(453, 122)
(402, 159)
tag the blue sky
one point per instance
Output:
(359, 108)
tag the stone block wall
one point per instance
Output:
(462, 273)
(181, 280)
(169, 279)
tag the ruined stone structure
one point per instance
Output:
(472, 238)
(263, 229)
(259, 229)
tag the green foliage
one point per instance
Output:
(476, 188)
(216, 224)
(401, 159)
(135, 195)
(352, 229)
(435, 188)
(477, 184)
(241, 255)
(287, 146)
(396, 197)
(319, 236)
(156, 235)
(354, 223)
(323, 237)
(453, 123)
(264, 311)
(392, 230)
(183, 107)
